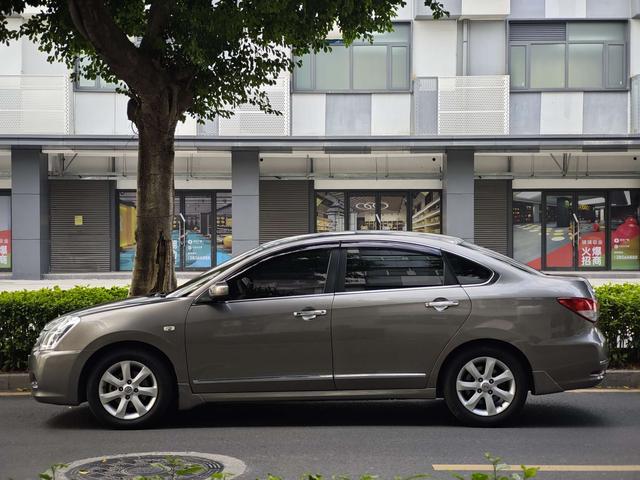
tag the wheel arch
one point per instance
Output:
(485, 342)
(102, 351)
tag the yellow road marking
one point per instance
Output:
(14, 394)
(543, 468)
(605, 390)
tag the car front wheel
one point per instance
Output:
(485, 386)
(129, 389)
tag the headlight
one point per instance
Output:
(53, 332)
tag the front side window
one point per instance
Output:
(385, 268)
(363, 66)
(567, 55)
(297, 273)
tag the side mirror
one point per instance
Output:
(219, 291)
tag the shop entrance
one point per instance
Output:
(574, 230)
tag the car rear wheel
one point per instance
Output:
(485, 386)
(130, 389)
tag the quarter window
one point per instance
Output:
(468, 272)
(381, 268)
(363, 66)
(567, 55)
(298, 273)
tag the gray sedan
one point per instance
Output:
(351, 315)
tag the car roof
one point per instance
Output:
(432, 239)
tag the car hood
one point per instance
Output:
(118, 305)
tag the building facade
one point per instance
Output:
(512, 123)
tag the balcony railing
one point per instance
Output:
(475, 105)
(35, 104)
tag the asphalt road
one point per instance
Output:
(386, 438)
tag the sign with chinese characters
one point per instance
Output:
(592, 250)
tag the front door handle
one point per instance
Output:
(307, 315)
(442, 305)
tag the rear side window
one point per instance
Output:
(383, 268)
(468, 272)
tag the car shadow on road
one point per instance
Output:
(340, 413)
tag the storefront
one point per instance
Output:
(577, 229)
(418, 211)
(5, 230)
(201, 230)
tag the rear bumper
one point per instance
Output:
(51, 377)
(571, 363)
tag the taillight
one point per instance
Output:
(585, 307)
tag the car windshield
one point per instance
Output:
(195, 283)
(503, 258)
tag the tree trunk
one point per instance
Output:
(154, 261)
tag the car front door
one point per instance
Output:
(393, 313)
(273, 333)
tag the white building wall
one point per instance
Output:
(565, 8)
(390, 114)
(434, 48)
(561, 112)
(308, 114)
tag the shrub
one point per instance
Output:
(620, 322)
(24, 313)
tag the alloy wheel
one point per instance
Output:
(128, 390)
(485, 386)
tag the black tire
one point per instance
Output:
(454, 402)
(165, 400)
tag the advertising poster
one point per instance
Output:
(5, 232)
(625, 245)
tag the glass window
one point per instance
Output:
(127, 232)
(518, 57)
(595, 31)
(5, 232)
(369, 67)
(302, 79)
(585, 65)
(625, 229)
(330, 212)
(332, 69)
(378, 269)
(96, 84)
(527, 229)
(223, 227)
(547, 66)
(399, 67)
(615, 66)
(298, 273)
(468, 272)
(362, 212)
(363, 66)
(393, 211)
(425, 212)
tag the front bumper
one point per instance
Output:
(52, 376)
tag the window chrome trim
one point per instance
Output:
(492, 279)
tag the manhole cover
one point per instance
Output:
(157, 464)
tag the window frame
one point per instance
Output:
(97, 83)
(449, 279)
(566, 42)
(359, 43)
(329, 286)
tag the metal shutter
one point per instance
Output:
(491, 222)
(537, 31)
(86, 247)
(284, 208)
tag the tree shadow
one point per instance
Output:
(418, 413)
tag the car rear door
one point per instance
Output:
(274, 331)
(394, 310)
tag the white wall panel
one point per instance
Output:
(561, 113)
(390, 114)
(34, 62)
(486, 8)
(565, 8)
(308, 114)
(434, 48)
(634, 44)
(11, 55)
(121, 124)
(94, 113)
(406, 12)
(188, 127)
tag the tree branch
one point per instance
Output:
(159, 14)
(94, 22)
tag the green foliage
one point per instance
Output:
(51, 473)
(499, 469)
(219, 54)
(24, 313)
(619, 321)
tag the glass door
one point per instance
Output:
(378, 211)
(393, 211)
(363, 212)
(574, 231)
(197, 232)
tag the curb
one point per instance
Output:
(12, 382)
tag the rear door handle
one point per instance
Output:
(307, 315)
(442, 305)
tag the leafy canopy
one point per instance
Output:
(215, 53)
